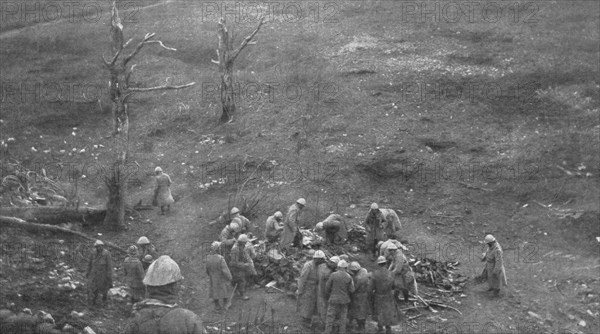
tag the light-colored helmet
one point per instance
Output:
(319, 226)
(215, 246)
(381, 260)
(301, 201)
(374, 206)
(148, 258)
(234, 210)
(355, 266)
(243, 238)
(278, 214)
(379, 244)
(98, 243)
(344, 257)
(163, 271)
(319, 255)
(335, 259)
(342, 264)
(143, 241)
(235, 226)
(157, 169)
(489, 238)
(392, 247)
(132, 250)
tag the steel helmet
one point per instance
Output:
(157, 169)
(342, 264)
(319, 255)
(143, 241)
(335, 259)
(379, 244)
(355, 266)
(132, 250)
(278, 214)
(235, 226)
(163, 271)
(243, 238)
(98, 243)
(381, 260)
(392, 247)
(374, 206)
(319, 226)
(148, 258)
(344, 257)
(301, 201)
(215, 245)
(234, 210)
(489, 238)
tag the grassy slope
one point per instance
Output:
(555, 128)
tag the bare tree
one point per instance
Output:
(120, 93)
(227, 56)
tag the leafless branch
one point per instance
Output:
(139, 47)
(247, 40)
(163, 87)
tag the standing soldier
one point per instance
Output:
(339, 289)
(359, 304)
(324, 271)
(219, 276)
(404, 279)
(273, 227)
(134, 275)
(241, 265)
(147, 261)
(245, 224)
(290, 225)
(392, 223)
(99, 272)
(159, 313)
(374, 225)
(162, 192)
(146, 248)
(494, 267)
(384, 307)
(228, 236)
(308, 284)
(336, 231)
(383, 246)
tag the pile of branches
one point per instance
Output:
(284, 270)
(357, 235)
(438, 274)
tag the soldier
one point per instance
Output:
(162, 192)
(339, 288)
(290, 225)
(494, 268)
(219, 277)
(146, 248)
(336, 231)
(383, 246)
(323, 272)
(147, 261)
(308, 288)
(374, 224)
(228, 236)
(99, 272)
(133, 271)
(392, 223)
(273, 227)
(245, 224)
(404, 279)
(241, 265)
(159, 313)
(359, 304)
(382, 287)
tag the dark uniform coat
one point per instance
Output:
(307, 290)
(219, 277)
(384, 307)
(100, 271)
(359, 304)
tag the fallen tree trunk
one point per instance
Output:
(55, 215)
(20, 223)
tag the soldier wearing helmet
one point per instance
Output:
(383, 246)
(382, 288)
(159, 313)
(146, 262)
(494, 270)
(219, 277)
(133, 271)
(359, 303)
(308, 288)
(245, 224)
(273, 227)
(242, 265)
(336, 231)
(162, 192)
(146, 248)
(324, 271)
(99, 272)
(291, 231)
(339, 289)
(228, 237)
(374, 224)
(404, 279)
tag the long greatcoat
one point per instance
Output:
(307, 290)
(100, 271)
(290, 225)
(374, 225)
(163, 190)
(359, 304)
(336, 231)
(219, 277)
(152, 316)
(272, 229)
(323, 273)
(382, 286)
(134, 277)
(494, 268)
(392, 223)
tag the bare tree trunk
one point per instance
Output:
(117, 193)
(227, 94)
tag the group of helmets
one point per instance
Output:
(342, 264)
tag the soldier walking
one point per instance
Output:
(99, 272)
(219, 277)
(494, 268)
(339, 289)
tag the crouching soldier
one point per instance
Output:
(159, 313)
(336, 232)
